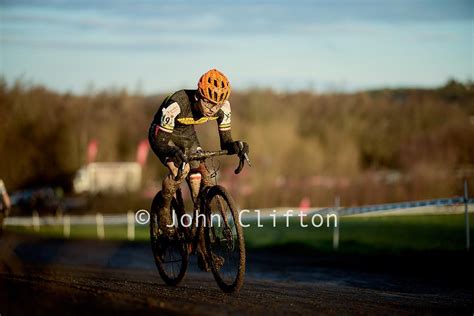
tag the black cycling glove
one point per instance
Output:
(176, 155)
(238, 148)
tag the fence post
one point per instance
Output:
(36, 221)
(66, 226)
(466, 215)
(99, 218)
(130, 225)
(335, 236)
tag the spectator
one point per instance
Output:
(5, 203)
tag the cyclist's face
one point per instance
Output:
(207, 107)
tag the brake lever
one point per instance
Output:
(246, 156)
(247, 159)
(242, 160)
(240, 167)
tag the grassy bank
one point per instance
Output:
(387, 234)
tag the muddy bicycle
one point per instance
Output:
(214, 226)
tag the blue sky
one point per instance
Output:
(160, 46)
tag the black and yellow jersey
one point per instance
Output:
(174, 122)
(179, 111)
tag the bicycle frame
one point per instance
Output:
(195, 230)
(194, 233)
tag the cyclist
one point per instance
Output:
(172, 135)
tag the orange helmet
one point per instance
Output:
(214, 86)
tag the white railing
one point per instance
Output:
(99, 220)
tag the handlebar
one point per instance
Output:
(203, 155)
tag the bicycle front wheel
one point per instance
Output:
(224, 237)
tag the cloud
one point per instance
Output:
(152, 45)
(187, 15)
(115, 24)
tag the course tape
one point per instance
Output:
(394, 206)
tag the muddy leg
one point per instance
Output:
(169, 187)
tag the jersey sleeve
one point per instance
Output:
(167, 116)
(224, 117)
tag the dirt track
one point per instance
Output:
(42, 277)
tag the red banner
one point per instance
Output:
(305, 204)
(92, 149)
(142, 152)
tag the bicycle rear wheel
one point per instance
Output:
(224, 237)
(170, 254)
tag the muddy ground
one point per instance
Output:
(51, 276)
